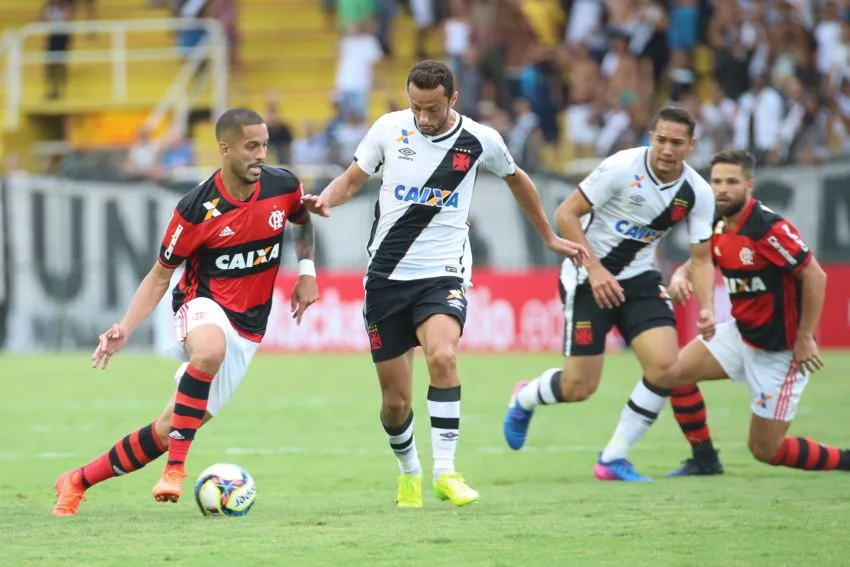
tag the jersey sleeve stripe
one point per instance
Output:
(363, 169)
(586, 198)
(805, 262)
(167, 265)
(298, 214)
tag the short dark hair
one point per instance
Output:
(232, 121)
(678, 115)
(429, 74)
(742, 158)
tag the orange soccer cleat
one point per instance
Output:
(170, 486)
(69, 493)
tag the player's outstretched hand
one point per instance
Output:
(680, 290)
(316, 204)
(607, 291)
(111, 342)
(806, 354)
(575, 252)
(706, 324)
(304, 294)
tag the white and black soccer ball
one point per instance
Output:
(225, 489)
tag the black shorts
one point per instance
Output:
(394, 309)
(586, 325)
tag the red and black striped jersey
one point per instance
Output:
(232, 248)
(759, 261)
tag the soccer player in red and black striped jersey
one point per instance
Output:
(777, 291)
(228, 231)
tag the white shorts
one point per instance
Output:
(775, 383)
(240, 351)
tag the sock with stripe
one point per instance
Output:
(444, 410)
(129, 454)
(637, 417)
(190, 405)
(404, 446)
(805, 454)
(543, 390)
(690, 413)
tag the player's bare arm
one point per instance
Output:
(147, 297)
(813, 280)
(338, 191)
(702, 276)
(306, 291)
(606, 289)
(528, 198)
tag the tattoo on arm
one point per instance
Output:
(304, 239)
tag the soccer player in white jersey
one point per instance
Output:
(419, 260)
(621, 211)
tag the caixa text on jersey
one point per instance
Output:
(427, 196)
(637, 232)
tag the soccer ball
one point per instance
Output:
(225, 489)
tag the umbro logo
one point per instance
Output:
(637, 199)
(406, 153)
(176, 435)
(226, 231)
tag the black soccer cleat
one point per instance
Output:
(699, 467)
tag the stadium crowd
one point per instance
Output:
(770, 76)
(564, 79)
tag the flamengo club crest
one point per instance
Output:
(276, 219)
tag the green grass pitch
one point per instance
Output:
(307, 429)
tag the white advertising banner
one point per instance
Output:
(72, 254)
(77, 252)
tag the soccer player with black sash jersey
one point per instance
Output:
(777, 291)
(228, 231)
(419, 260)
(621, 211)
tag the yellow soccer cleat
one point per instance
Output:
(451, 486)
(409, 491)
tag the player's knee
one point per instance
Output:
(665, 375)
(441, 362)
(208, 358)
(396, 404)
(764, 450)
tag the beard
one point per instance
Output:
(731, 208)
(432, 130)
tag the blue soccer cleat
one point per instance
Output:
(618, 469)
(515, 425)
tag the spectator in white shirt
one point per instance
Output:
(457, 35)
(758, 120)
(358, 53)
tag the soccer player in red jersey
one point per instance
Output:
(228, 231)
(777, 291)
